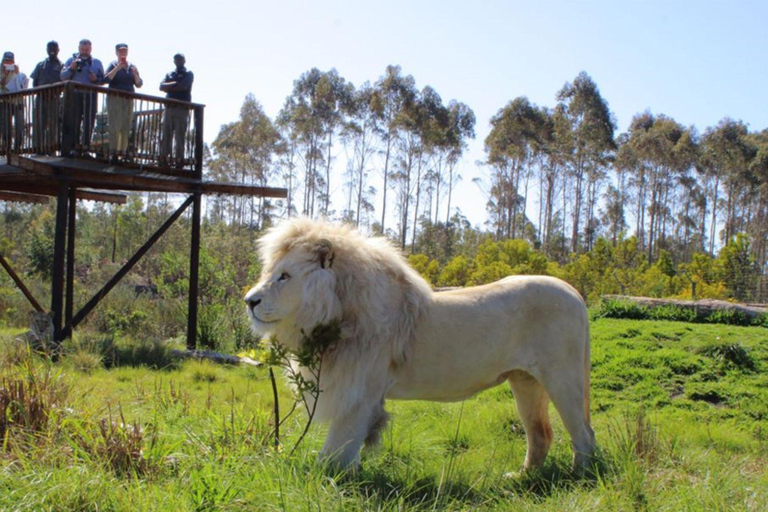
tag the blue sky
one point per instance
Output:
(696, 62)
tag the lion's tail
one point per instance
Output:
(587, 370)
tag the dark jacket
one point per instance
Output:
(182, 90)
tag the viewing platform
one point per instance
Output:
(46, 136)
(55, 141)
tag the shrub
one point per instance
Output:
(675, 313)
(728, 316)
(730, 356)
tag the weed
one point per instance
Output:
(209, 492)
(310, 357)
(29, 399)
(172, 396)
(204, 374)
(15, 353)
(120, 446)
(636, 436)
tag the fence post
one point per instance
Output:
(198, 141)
(69, 121)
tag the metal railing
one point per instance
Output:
(71, 119)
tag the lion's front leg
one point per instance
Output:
(347, 433)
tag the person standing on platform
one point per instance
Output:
(47, 104)
(11, 109)
(121, 76)
(177, 86)
(84, 69)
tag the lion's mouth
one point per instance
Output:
(259, 320)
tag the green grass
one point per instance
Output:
(680, 411)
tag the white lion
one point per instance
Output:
(400, 340)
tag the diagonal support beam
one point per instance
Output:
(20, 284)
(127, 267)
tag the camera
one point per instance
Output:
(9, 67)
(79, 63)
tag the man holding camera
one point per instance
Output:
(121, 76)
(11, 109)
(83, 68)
(47, 120)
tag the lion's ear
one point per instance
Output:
(324, 252)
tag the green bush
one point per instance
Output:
(728, 316)
(674, 313)
(622, 309)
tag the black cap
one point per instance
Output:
(8, 56)
(52, 43)
(120, 45)
(179, 55)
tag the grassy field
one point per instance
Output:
(680, 411)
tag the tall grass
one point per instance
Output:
(196, 436)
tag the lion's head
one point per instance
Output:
(315, 272)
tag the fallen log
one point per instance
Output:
(216, 357)
(702, 307)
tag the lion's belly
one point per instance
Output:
(470, 340)
(454, 371)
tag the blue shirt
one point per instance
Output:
(46, 72)
(123, 79)
(89, 64)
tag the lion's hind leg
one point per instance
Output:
(567, 391)
(532, 405)
(378, 422)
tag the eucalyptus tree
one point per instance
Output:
(612, 215)
(434, 131)
(552, 149)
(393, 95)
(726, 156)
(409, 151)
(313, 113)
(758, 225)
(460, 128)
(244, 152)
(517, 134)
(361, 133)
(659, 153)
(290, 157)
(590, 148)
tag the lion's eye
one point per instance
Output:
(284, 276)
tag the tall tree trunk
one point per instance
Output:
(450, 194)
(386, 175)
(327, 204)
(713, 225)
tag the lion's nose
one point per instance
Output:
(252, 302)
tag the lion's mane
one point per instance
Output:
(380, 299)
